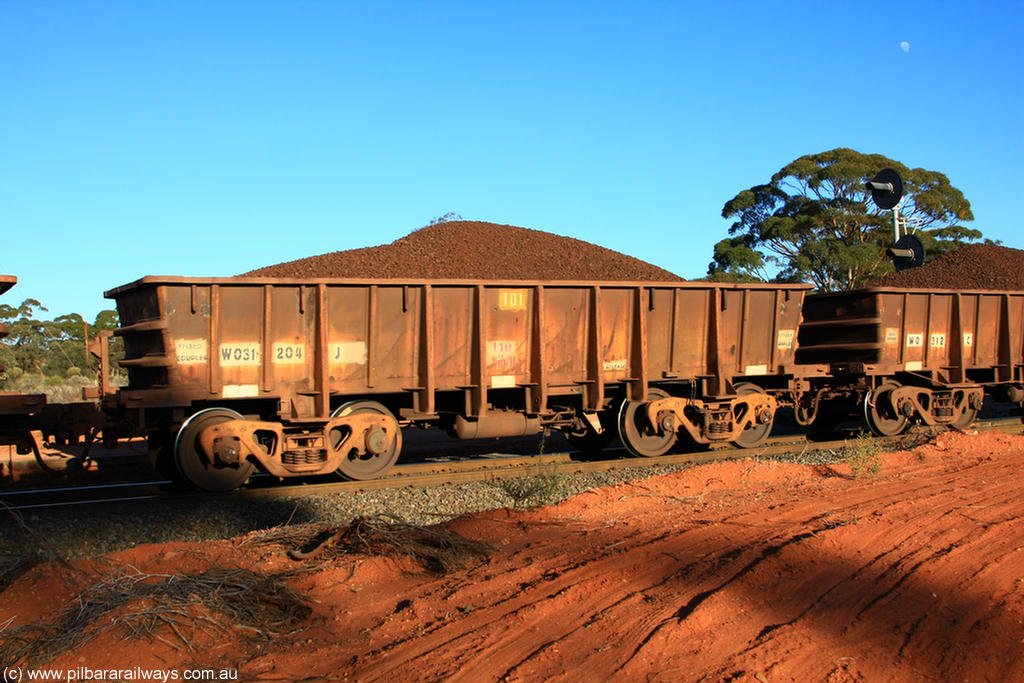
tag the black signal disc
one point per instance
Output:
(908, 243)
(887, 198)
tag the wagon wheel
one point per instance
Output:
(199, 469)
(963, 412)
(756, 432)
(638, 435)
(882, 415)
(370, 464)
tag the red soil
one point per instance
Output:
(741, 571)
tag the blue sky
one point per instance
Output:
(206, 139)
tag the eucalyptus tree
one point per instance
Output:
(814, 221)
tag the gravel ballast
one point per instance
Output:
(80, 532)
(77, 532)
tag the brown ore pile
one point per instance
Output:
(477, 251)
(972, 266)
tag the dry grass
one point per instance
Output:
(139, 605)
(18, 558)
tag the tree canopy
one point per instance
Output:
(815, 222)
(37, 351)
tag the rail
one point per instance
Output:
(494, 467)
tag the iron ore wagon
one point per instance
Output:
(904, 355)
(305, 377)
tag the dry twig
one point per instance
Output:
(437, 551)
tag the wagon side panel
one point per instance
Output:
(565, 335)
(987, 330)
(506, 317)
(1016, 333)
(353, 314)
(689, 332)
(615, 345)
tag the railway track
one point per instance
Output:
(436, 472)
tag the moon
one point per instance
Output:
(905, 46)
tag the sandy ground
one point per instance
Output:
(742, 571)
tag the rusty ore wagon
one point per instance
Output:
(305, 377)
(905, 355)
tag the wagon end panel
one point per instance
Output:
(841, 329)
(149, 353)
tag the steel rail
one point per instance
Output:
(428, 474)
(492, 467)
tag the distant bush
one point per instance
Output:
(57, 389)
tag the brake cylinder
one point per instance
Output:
(496, 424)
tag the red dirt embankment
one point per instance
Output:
(743, 571)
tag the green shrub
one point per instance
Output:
(864, 456)
(530, 491)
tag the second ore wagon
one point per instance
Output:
(911, 355)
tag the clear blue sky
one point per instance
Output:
(209, 138)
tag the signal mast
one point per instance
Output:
(886, 190)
